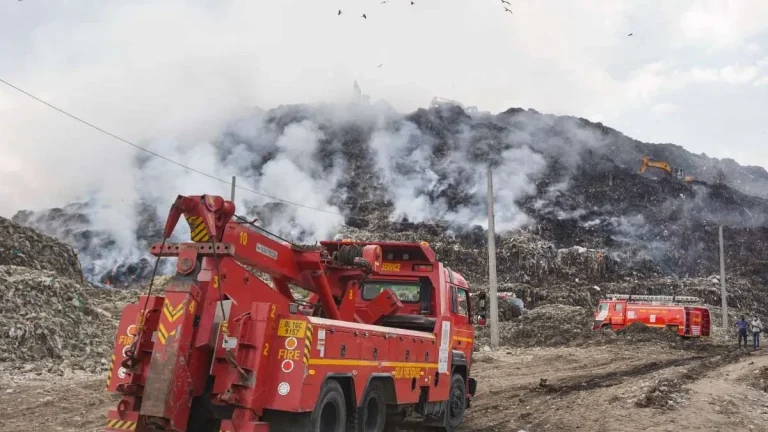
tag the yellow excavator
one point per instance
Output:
(678, 173)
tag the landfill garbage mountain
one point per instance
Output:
(50, 317)
(582, 224)
(572, 210)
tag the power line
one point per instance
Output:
(164, 157)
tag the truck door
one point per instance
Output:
(618, 315)
(461, 310)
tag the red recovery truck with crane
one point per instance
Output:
(386, 336)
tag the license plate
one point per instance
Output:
(295, 328)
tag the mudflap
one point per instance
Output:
(472, 388)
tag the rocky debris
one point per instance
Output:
(44, 316)
(666, 394)
(22, 246)
(759, 380)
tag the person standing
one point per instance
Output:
(757, 328)
(742, 326)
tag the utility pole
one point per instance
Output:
(233, 189)
(723, 292)
(492, 265)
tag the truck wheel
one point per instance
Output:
(457, 403)
(330, 413)
(372, 414)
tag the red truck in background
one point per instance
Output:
(621, 310)
(386, 336)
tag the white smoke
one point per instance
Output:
(301, 157)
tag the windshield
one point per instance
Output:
(603, 307)
(406, 292)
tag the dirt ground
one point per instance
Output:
(597, 388)
(708, 388)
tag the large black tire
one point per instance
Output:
(330, 413)
(457, 404)
(372, 414)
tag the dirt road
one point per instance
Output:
(586, 389)
(594, 389)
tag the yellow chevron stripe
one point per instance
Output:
(112, 423)
(162, 333)
(171, 313)
(119, 425)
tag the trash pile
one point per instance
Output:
(521, 256)
(549, 325)
(97, 249)
(639, 332)
(22, 246)
(45, 316)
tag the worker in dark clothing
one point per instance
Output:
(742, 325)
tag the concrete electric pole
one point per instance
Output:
(723, 292)
(494, 314)
(233, 189)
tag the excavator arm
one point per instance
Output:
(678, 173)
(648, 163)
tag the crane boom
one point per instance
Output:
(215, 235)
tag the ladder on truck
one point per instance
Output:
(655, 298)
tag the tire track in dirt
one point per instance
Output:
(591, 381)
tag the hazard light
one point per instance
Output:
(422, 267)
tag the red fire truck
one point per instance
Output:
(669, 312)
(386, 336)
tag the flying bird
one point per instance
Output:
(339, 12)
(412, 3)
(508, 11)
(630, 34)
(363, 15)
(385, 1)
(380, 65)
(506, 2)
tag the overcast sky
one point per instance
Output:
(693, 73)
